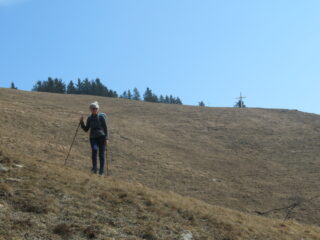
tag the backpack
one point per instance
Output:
(102, 115)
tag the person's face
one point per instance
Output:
(94, 111)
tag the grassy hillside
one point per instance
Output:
(244, 159)
(44, 200)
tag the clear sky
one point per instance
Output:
(208, 50)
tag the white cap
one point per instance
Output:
(94, 105)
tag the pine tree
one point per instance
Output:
(71, 89)
(155, 98)
(49, 85)
(59, 86)
(124, 95)
(171, 99)
(167, 99)
(161, 99)
(129, 95)
(93, 88)
(38, 86)
(240, 104)
(79, 86)
(13, 86)
(147, 96)
(86, 85)
(100, 89)
(178, 101)
(113, 94)
(136, 94)
(201, 104)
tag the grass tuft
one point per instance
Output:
(5, 191)
(63, 230)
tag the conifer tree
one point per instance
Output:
(161, 99)
(79, 86)
(147, 96)
(167, 99)
(13, 86)
(201, 104)
(129, 95)
(113, 94)
(178, 101)
(99, 88)
(49, 85)
(86, 86)
(136, 95)
(37, 87)
(124, 95)
(240, 104)
(71, 89)
(59, 86)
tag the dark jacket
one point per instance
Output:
(97, 125)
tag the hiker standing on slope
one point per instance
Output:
(97, 124)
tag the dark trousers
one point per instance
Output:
(98, 144)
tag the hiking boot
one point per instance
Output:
(94, 170)
(101, 174)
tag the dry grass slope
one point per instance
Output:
(47, 201)
(248, 160)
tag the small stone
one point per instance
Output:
(216, 180)
(13, 180)
(3, 169)
(186, 235)
(17, 166)
(2, 208)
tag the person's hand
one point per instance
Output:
(81, 119)
(106, 142)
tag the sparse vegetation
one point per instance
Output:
(63, 230)
(5, 191)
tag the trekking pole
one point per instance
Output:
(110, 153)
(107, 162)
(65, 161)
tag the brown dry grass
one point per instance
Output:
(251, 159)
(84, 206)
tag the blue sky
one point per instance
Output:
(198, 50)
